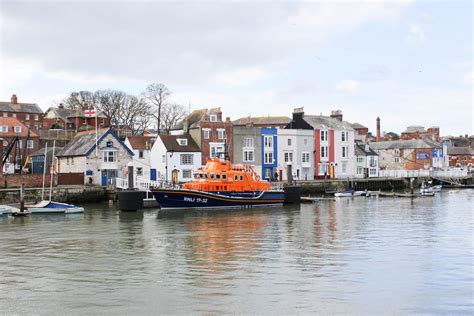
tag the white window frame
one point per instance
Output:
(141, 154)
(215, 146)
(206, 133)
(324, 136)
(268, 157)
(305, 157)
(345, 151)
(288, 156)
(248, 155)
(36, 117)
(221, 133)
(30, 144)
(182, 141)
(186, 172)
(3, 129)
(106, 157)
(213, 118)
(17, 129)
(324, 152)
(268, 141)
(27, 117)
(248, 142)
(186, 159)
(289, 142)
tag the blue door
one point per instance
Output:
(104, 178)
(153, 174)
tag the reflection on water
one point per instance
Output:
(346, 256)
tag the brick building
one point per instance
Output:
(24, 142)
(461, 157)
(29, 114)
(419, 132)
(209, 131)
(262, 121)
(70, 119)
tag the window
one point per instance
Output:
(224, 176)
(241, 178)
(36, 117)
(360, 159)
(345, 151)
(110, 156)
(218, 175)
(4, 129)
(27, 117)
(14, 115)
(396, 159)
(5, 114)
(187, 173)
(305, 158)
(324, 136)
(17, 129)
(109, 144)
(67, 161)
(206, 133)
(323, 168)
(84, 121)
(344, 167)
(372, 171)
(324, 152)
(268, 157)
(72, 160)
(236, 177)
(305, 142)
(182, 141)
(288, 156)
(268, 141)
(268, 173)
(216, 149)
(163, 158)
(30, 144)
(19, 144)
(221, 133)
(248, 155)
(139, 171)
(213, 118)
(372, 161)
(140, 154)
(5, 143)
(102, 122)
(289, 141)
(344, 136)
(186, 159)
(248, 142)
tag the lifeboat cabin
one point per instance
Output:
(222, 176)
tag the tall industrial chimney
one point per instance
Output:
(377, 137)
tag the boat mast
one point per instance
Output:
(52, 172)
(45, 165)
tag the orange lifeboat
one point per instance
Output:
(222, 176)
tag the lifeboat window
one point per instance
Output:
(211, 175)
(218, 175)
(236, 177)
(224, 176)
(241, 178)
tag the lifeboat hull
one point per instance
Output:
(189, 199)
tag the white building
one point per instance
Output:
(366, 161)
(295, 154)
(99, 164)
(141, 147)
(175, 157)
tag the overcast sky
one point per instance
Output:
(408, 62)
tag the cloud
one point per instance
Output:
(416, 34)
(348, 85)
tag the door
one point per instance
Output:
(153, 174)
(104, 178)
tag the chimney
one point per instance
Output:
(377, 137)
(337, 114)
(14, 99)
(61, 106)
(218, 112)
(185, 126)
(298, 114)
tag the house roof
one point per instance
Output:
(171, 143)
(357, 125)
(263, 120)
(412, 129)
(405, 144)
(326, 122)
(364, 150)
(65, 114)
(11, 122)
(140, 142)
(193, 119)
(454, 151)
(84, 142)
(21, 107)
(40, 152)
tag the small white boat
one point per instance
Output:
(349, 193)
(50, 207)
(7, 209)
(427, 193)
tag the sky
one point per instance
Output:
(409, 62)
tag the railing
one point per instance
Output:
(452, 173)
(144, 184)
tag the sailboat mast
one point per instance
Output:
(52, 172)
(45, 165)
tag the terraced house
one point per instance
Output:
(29, 114)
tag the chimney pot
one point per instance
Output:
(61, 106)
(14, 99)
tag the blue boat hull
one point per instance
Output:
(188, 199)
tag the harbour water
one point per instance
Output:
(354, 255)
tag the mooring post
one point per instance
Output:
(411, 185)
(22, 197)
(130, 175)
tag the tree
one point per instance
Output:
(157, 95)
(111, 103)
(79, 100)
(171, 115)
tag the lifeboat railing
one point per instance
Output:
(276, 186)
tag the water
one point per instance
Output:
(358, 255)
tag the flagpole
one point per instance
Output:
(96, 132)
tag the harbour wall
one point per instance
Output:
(68, 194)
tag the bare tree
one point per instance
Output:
(111, 103)
(171, 115)
(79, 100)
(135, 113)
(157, 95)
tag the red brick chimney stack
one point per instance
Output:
(14, 99)
(377, 137)
(61, 106)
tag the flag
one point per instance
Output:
(89, 112)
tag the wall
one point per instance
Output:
(205, 149)
(239, 133)
(32, 123)
(30, 180)
(338, 159)
(297, 147)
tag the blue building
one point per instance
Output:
(269, 153)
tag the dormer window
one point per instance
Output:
(17, 129)
(182, 141)
(109, 144)
(213, 118)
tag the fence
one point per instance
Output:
(452, 173)
(70, 178)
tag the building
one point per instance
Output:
(141, 160)
(71, 119)
(461, 157)
(97, 164)
(36, 160)
(366, 161)
(360, 129)
(295, 154)
(263, 121)
(209, 132)
(29, 114)
(409, 154)
(419, 132)
(18, 143)
(333, 153)
(175, 157)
